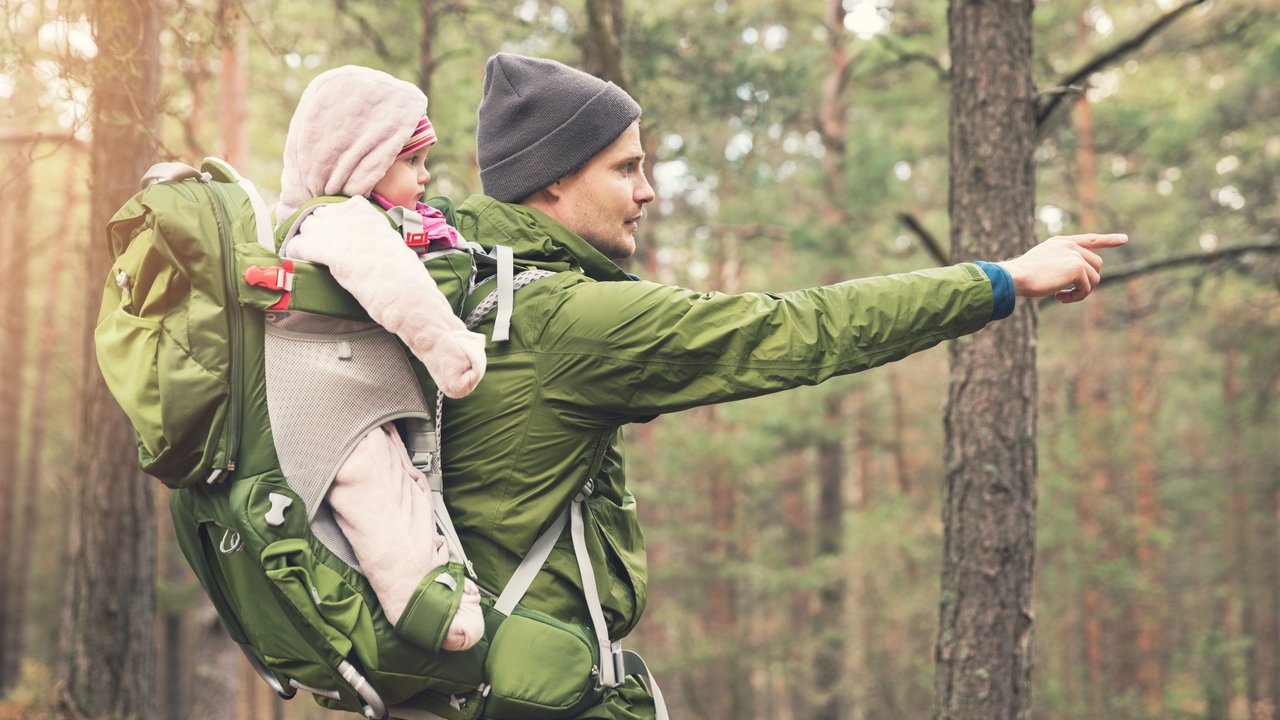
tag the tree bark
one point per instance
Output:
(108, 668)
(32, 471)
(798, 518)
(1149, 601)
(983, 650)
(832, 699)
(832, 688)
(1091, 400)
(427, 45)
(14, 241)
(602, 53)
(233, 81)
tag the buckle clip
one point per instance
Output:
(587, 491)
(271, 278)
(619, 664)
(279, 279)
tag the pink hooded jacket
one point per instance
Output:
(350, 124)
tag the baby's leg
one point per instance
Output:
(387, 516)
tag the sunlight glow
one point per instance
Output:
(1228, 197)
(1100, 20)
(738, 146)
(1052, 217)
(527, 11)
(775, 36)
(867, 18)
(62, 36)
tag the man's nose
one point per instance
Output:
(644, 191)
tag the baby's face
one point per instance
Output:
(402, 185)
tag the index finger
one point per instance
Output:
(1094, 241)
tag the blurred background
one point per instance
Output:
(791, 144)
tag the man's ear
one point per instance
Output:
(545, 198)
(554, 191)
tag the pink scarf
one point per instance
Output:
(437, 230)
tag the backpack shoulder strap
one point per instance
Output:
(502, 297)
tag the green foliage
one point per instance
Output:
(1187, 140)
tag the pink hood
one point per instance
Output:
(349, 126)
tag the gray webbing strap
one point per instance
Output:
(506, 293)
(611, 672)
(261, 216)
(523, 577)
(490, 301)
(633, 664)
(172, 172)
(615, 663)
(435, 478)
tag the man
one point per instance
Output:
(592, 349)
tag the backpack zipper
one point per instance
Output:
(232, 432)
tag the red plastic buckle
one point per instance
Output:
(416, 239)
(279, 279)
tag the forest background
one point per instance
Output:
(796, 540)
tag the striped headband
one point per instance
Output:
(423, 136)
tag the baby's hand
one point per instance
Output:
(467, 626)
(456, 361)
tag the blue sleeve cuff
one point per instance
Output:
(1001, 289)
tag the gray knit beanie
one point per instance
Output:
(540, 120)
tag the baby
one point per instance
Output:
(363, 134)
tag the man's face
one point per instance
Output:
(602, 201)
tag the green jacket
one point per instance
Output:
(592, 349)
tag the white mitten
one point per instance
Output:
(467, 626)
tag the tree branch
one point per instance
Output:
(1110, 56)
(18, 136)
(379, 45)
(1205, 258)
(905, 56)
(927, 238)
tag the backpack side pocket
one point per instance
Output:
(540, 668)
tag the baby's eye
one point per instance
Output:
(413, 160)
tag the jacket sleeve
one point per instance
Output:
(371, 262)
(616, 352)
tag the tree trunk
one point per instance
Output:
(14, 243)
(233, 80)
(831, 696)
(798, 517)
(983, 649)
(108, 669)
(1271, 642)
(427, 45)
(215, 682)
(1091, 400)
(32, 471)
(1149, 602)
(602, 53)
(831, 701)
(1242, 556)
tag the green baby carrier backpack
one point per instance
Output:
(248, 378)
